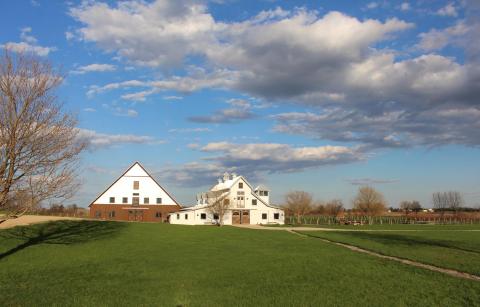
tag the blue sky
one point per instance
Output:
(322, 96)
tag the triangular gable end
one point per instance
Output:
(119, 188)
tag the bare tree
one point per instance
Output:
(39, 148)
(369, 201)
(452, 200)
(410, 206)
(299, 203)
(218, 206)
(334, 207)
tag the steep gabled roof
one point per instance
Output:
(148, 174)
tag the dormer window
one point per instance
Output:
(240, 185)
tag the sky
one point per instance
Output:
(320, 96)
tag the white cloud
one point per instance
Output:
(405, 6)
(26, 36)
(437, 39)
(96, 67)
(241, 110)
(69, 35)
(26, 47)
(189, 130)
(372, 5)
(172, 97)
(97, 140)
(448, 10)
(272, 157)
(256, 159)
(370, 181)
(90, 110)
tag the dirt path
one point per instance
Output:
(295, 230)
(33, 219)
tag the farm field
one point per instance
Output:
(459, 250)
(85, 263)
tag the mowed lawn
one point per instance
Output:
(116, 264)
(439, 246)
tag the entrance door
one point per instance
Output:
(236, 217)
(135, 215)
(240, 217)
(245, 217)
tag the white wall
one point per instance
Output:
(124, 188)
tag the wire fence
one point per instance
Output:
(378, 220)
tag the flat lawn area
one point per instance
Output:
(390, 227)
(459, 250)
(91, 263)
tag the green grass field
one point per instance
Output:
(459, 250)
(106, 263)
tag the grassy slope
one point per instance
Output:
(95, 263)
(458, 250)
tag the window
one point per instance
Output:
(215, 216)
(159, 200)
(146, 200)
(112, 200)
(135, 194)
(186, 216)
(240, 192)
(203, 216)
(125, 200)
(264, 216)
(276, 216)
(135, 201)
(158, 214)
(240, 185)
(178, 216)
(136, 185)
(111, 214)
(98, 214)
(263, 193)
(254, 202)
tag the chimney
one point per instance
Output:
(226, 176)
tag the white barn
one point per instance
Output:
(134, 196)
(247, 205)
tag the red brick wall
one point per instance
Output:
(122, 212)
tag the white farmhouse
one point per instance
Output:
(246, 205)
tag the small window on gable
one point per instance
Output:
(125, 200)
(264, 216)
(146, 200)
(254, 202)
(265, 193)
(276, 216)
(240, 185)
(112, 200)
(136, 185)
(203, 216)
(159, 200)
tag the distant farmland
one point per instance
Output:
(111, 263)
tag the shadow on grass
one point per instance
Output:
(395, 239)
(60, 232)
